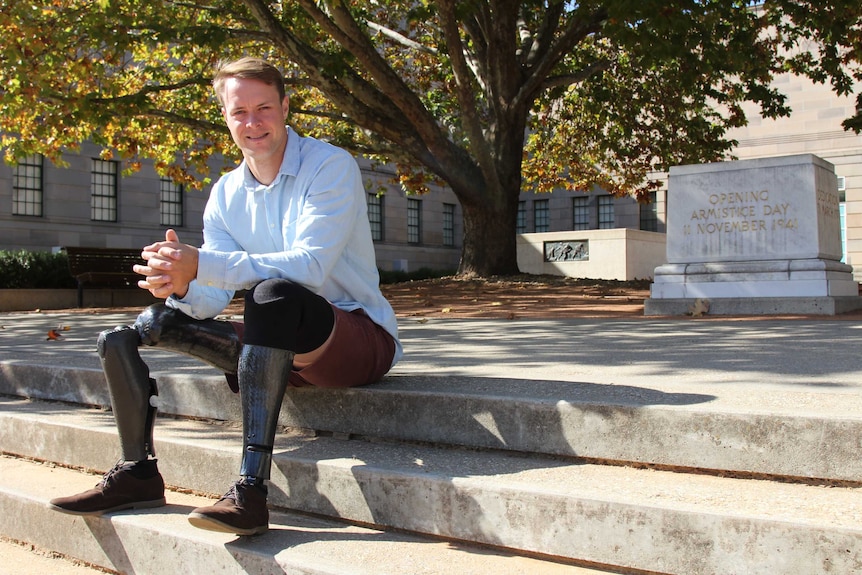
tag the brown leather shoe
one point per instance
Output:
(118, 489)
(242, 510)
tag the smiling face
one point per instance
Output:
(255, 117)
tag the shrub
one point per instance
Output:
(34, 270)
(394, 277)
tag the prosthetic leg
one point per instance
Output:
(281, 319)
(130, 387)
(134, 482)
(129, 384)
(263, 376)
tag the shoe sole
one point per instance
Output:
(208, 523)
(135, 505)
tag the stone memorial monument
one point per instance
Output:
(754, 237)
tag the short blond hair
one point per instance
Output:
(248, 68)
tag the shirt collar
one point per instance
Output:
(289, 165)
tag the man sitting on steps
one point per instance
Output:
(289, 225)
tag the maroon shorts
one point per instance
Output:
(359, 353)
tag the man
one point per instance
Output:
(289, 225)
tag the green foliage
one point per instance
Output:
(539, 94)
(34, 270)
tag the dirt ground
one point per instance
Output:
(518, 297)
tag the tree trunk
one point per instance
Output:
(489, 239)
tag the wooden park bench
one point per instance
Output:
(103, 267)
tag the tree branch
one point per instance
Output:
(150, 89)
(400, 38)
(187, 121)
(535, 46)
(575, 78)
(343, 28)
(465, 95)
(577, 30)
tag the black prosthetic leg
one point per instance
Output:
(212, 341)
(131, 389)
(263, 374)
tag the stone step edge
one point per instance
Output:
(161, 540)
(580, 512)
(759, 444)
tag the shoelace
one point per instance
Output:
(110, 475)
(236, 494)
(231, 493)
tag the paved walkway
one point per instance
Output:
(811, 366)
(799, 366)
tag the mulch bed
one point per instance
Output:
(515, 297)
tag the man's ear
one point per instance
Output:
(285, 106)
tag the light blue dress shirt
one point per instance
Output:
(309, 226)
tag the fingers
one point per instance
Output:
(158, 290)
(164, 263)
(170, 248)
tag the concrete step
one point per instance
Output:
(759, 433)
(161, 541)
(634, 519)
(27, 559)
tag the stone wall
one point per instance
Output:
(616, 254)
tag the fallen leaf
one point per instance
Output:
(53, 334)
(700, 307)
(446, 309)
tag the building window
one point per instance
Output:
(606, 212)
(521, 224)
(541, 216)
(448, 225)
(375, 216)
(27, 186)
(103, 191)
(649, 214)
(581, 213)
(414, 221)
(170, 203)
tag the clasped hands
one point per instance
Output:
(170, 267)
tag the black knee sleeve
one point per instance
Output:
(130, 387)
(285, 315)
